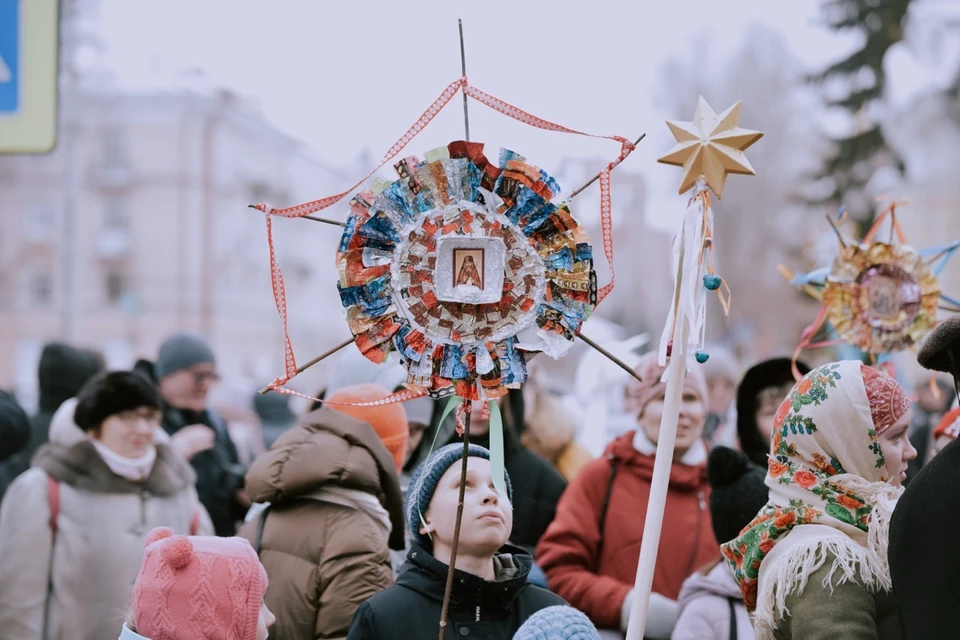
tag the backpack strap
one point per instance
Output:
(53, 501)
(195, 520)
(733, 618)
(606, 502)
(606, 496)
(258, 540)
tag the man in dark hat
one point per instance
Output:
(923, 552)
(186, 372)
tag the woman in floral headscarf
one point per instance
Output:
(813, 563)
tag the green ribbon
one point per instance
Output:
(497, 464)
(452, 404)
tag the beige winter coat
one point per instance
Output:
(103, 523)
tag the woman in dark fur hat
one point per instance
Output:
(72, 528)
(762, 389)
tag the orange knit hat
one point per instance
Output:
(388, 420)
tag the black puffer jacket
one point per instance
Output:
(478, 608)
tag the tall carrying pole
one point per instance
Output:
(463, 70)
(448, 588)
(70, 307)
(719, 138)
(663, 461)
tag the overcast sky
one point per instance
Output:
(349, 76)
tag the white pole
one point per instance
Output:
(71, 105)
(676, 371)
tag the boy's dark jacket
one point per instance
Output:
(492, 610)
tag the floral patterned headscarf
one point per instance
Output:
(825, 467)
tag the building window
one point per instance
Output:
(114, 148)
(115, 286)
(41, 289)
(115, 215)
(41, 219)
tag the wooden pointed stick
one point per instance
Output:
(314, 218)
(463, 68)
(614, 359)
(325, 221)
(597, 177)
(930, 260)
(809, 289)
(836, 229)
(448, 589)
(322, 356)
(893, 222)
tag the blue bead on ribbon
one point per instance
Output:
(711, 282)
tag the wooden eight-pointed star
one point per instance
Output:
(711, 147)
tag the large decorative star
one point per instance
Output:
(711, 147)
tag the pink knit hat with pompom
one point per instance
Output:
(198, 587)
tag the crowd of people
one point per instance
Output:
(132, 508)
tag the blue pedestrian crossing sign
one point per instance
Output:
(9, 57)
(28, 75)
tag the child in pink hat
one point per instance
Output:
(198, 588)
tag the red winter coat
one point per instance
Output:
(568, 551)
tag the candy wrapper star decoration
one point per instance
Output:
(880, 297)
(708, 149)
(465, 269)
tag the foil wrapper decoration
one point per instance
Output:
(466, 269)
(881, 297)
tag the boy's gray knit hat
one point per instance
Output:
(427, 476)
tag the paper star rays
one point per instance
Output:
(711, 147)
